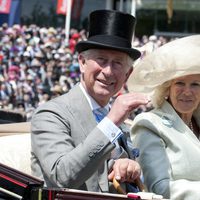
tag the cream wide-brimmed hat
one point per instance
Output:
(175, 59)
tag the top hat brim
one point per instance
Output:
(85, 45)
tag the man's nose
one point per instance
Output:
(107, 69)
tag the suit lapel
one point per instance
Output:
(123, 140)
(81, 111)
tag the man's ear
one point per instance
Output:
(129, 73)
(81, 61)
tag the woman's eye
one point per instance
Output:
(196, 84)
(179, 83)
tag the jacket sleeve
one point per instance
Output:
(154, 161)
(157, 169)
(65, 163)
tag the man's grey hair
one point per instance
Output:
(88, 52)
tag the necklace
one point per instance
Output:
(191, 126)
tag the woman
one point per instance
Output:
(168, 136)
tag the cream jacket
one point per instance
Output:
(169, 153)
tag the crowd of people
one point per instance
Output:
(36, 64)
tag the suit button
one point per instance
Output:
(91, 154)
(113, 134)
(98, 147)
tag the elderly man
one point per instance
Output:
(74, 143)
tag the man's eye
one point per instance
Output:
(117, 62)
(101, 60)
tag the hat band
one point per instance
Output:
(111, 40)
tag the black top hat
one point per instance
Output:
(109, 29)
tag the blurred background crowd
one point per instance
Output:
(37, 65)
(38, 60)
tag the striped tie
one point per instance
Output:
(100, 113)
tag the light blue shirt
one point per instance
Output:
(105, 125)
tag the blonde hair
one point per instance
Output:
(160, 94)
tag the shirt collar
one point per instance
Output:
(93, 104)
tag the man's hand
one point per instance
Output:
(125, 170)
(124, 105)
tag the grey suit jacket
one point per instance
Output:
(68, 150)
